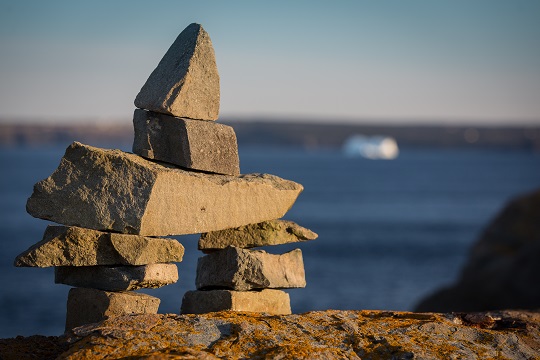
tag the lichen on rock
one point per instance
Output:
(328, 334)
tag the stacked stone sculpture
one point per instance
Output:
(183, 177)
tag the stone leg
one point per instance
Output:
(274, 302)
(244, 269)
(86, 306)
(117, 278)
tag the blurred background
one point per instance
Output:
(450, 89)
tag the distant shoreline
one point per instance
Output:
(281, 133)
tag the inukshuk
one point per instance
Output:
(182, 178)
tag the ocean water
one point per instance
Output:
(390, 232)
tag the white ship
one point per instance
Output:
(371, 147)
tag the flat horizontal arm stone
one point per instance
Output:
(266, 233)
(117, 191)
(75, 246)
(117, 278)
(242, 269)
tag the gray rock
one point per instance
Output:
(266, 233)
(117, 191)
(117, 278)
(85, 306)
(192, 144)
(268, 301)
(186, 81)
(503, 267)
(241, 269)
(75, 246)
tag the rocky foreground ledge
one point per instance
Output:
(314, 335)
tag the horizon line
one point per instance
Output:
(283, 118)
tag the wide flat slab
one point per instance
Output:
(117, 191)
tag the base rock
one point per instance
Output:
(118, 191)
(316, 335)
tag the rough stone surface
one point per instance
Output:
(267, 301)
(316, 335)
(186, 81)
(117, 278)
(85, 306)
(113, 190)
(192, 144)
(503, 269)
(266, 233)
(242, 270)
(75, 246)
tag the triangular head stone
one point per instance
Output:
(186, 81)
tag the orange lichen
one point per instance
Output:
(322, 334)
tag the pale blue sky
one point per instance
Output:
(437, 61)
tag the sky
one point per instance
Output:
(398, 61)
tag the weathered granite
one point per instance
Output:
(186, 81)
(193, 144)
(503, 268)
(266, 233)
(85, 306)
(328, 334)
(117, 278)
(75, 246)
(267, 301)
(113, 190)
(241, 269)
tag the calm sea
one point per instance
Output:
(390, 232)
